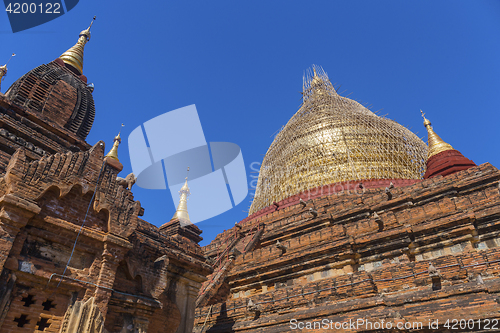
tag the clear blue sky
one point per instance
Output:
(241, 63)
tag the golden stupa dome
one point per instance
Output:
(333, 139)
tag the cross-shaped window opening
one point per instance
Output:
(47, 305)
(22, 320)
(28, 300)
(43, 324)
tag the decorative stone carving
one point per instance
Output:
(127, 182)
(83, 317)
(21, 141)
(64, 171)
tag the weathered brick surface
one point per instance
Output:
(57, 96)
(350, 263)
(446, 162)
(21, 128)
(62, 212)
(53, 310)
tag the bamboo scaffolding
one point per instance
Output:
(334, 139)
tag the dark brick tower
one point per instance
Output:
(56, 95)
(48, 110)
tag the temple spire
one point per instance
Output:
(181, 213)
(3, 70)
(316, 80)
(113, 153)
(111, 158)
(435, 143)
(442, 159)
(74, 56)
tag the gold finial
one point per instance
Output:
(316, 80)
(435, 143)
(181, 213)
(12, 55)
(113, 153)
(3, 73)
(3, 70)
(315, 84)
(74, 56)
(426, 121)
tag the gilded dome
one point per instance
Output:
(333, 139)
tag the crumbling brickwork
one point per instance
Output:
(74, 254)
(417, 252)
(21, 128)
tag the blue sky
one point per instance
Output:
(241, 63)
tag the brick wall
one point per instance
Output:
(364, 256)
(60, 200)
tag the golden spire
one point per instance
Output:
(181, 213)
(3, 70)
(316, 80)
(74, 56)
(435, 143)
(317, 83)
(113, 153)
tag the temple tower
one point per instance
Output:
(442, 159)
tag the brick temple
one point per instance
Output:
(356, 224)
(75, 256)
(387, 233)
